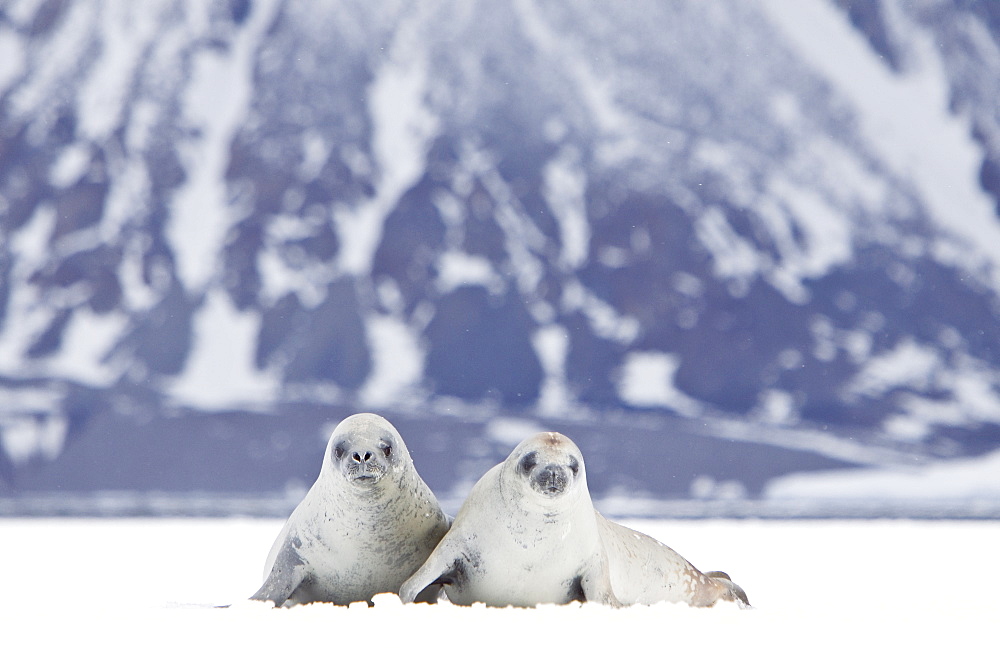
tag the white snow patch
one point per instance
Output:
(906, 119)
(603, 318)
(845, 449)
(27, 313)
(287, 269)
(616, 141)
(87, 340)
(216, 103)
(776, 407)
(315, 153)
(962, 480)
(32, 423)
(909, 365)
(71, 164)
(128, 198)
(825, 234)
(551, 345)
(403, 126)
(137, 294)
(564, 186)
(124, 31)
(220, 371)
(456, 269)
(522, 238)
(52, 60)
(966, 390)
(142, 119)
(733, 257)
(647, 381)
(28, 436)
(397, 361)
(12, 59)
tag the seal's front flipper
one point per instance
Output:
(596, 586)
(736, 592)
(427, 581)
(286, 575)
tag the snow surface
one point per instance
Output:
(142, 592)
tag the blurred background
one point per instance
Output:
(746, 255)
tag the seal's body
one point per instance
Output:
(528, 534)
(367, 523)
(644, 570)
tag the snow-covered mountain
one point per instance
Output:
(718, 243)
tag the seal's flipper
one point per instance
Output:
(286, 575)
(734, 589)
(596, 586)
(429, 578)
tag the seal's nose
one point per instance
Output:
(552, 478)
(361, 456)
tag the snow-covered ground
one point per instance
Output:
(142, 592)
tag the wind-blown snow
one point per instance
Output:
(824, 594)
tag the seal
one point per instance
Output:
(528, 534)
(367, 523)
(645, 571)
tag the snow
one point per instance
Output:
(647, 380)
(551, 344)
(602, 317)
(26, 314)
(88, 339)
(220, 372)
(565, 191)
(964, 481)
(215, 105)
(398, 360)
(26, 436)
(456, 269)
(403, 127)
(907, 121)
(965, 388)
(597, 91)
(824, 594)
(124, 31)
(733, 257)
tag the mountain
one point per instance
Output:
(718, 244)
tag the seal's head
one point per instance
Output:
(549, 464)
(364, 448)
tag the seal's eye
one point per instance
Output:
(386, 449)
(574, 465)
(338, 452)
(527, 463)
